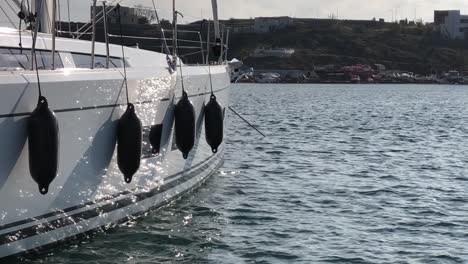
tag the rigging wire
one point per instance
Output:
(181, 76)
(34, 31)
(161, 29)
(31, 16)
(69, 18)
(20, 37)
(88, 24)
(37, 76)
(208, 56)
(123, 52)
(176, 48)
(151, 38)
(211, 81)
(21, 16)
(32, 23)
(59, 17)
(247, 122)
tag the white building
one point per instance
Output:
(451, 24)
(281, 53)
(129, 15)
(269, 24)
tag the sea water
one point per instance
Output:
(346, 174)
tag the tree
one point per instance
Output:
(166, 23)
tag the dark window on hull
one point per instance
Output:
(84, 61)
(13, 58)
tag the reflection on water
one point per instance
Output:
(347, 174)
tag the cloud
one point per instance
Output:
(349, 9)
(346, 9)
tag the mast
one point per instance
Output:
(54, 32)
(214, 4)
(106, 33)
(174, 28)
(44, 10)
(219, 39)
(93, 37)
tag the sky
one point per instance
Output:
(343, 9)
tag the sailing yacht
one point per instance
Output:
(64, 108)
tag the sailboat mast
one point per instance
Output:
(174, 33)
(214, 4)
(44, 10)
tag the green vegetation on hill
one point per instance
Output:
(409, 47)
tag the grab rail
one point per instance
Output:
(197, 42)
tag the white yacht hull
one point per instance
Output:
(89, 191)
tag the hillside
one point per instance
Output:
(407, 47)
(319, 42)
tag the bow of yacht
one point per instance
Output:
(89, 87)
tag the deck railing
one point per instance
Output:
(191, 44)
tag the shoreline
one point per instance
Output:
(343, 83)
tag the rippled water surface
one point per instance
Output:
(347, 174)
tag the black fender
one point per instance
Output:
(43, 145)
(214, 124)
(129, 137)
(184, 113)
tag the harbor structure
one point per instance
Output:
(273, 52)
(451, 24)
(128, 15)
